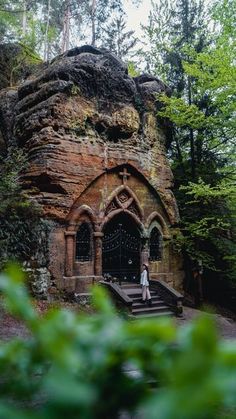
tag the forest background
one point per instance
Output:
(191, 46)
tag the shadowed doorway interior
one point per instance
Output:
(121, 248)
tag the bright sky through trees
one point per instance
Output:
(137, 15)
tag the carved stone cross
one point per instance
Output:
(125, 176)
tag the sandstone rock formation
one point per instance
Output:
(80, 122)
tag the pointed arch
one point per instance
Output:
(155, 244)
(132, 215)
(156, 216)
(125, 199)
(76, 213)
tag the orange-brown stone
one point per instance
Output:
(81, 123)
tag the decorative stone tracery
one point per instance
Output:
(123, 197)
(122, 200)
(112, 207)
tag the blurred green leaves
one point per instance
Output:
(78, 366)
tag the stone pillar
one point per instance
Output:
(166, 255)
(70, 253)
(98, 253)
(145, 250)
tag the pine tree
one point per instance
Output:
(176, 30)
(116, 39)
(198, 63)
(98, 13)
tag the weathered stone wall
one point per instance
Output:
(80, 119)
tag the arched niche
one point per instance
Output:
(156, 219)
(78, 213)
(79, 237)
(155, 243)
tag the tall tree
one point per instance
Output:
(175, 30)
(98, 14)
(117, 39)
(66, 26)
(198, 63)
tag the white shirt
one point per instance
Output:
(144, 278)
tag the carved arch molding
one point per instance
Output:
(124, 199)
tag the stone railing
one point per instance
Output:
(169, 295)
(120, 295)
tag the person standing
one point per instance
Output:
(144, 281)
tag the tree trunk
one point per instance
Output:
(46, 46)
(66, 27)
(118, 39)
(191, 134)
(199, 142)
(180, 157)
(24, 19)
(93, 12)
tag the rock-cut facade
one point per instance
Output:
(97, 167)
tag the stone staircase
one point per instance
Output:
(139, 309)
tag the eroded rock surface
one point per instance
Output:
(77, 120)
(84, 104)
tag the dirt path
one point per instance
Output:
(11, 327)
(226, 326)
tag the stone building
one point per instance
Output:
(97, 166)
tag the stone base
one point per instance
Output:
(80, 284)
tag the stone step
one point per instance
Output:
(139, 309)
(150, 309)
(153, 315)
(155, 303)
(137, 290)
(130, 285)
(132, 290)
(132, 293)
(155, 297)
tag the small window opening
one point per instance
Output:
(83, 243)
(155, 245)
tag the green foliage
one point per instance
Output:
(198, 63)
(75, 365)
(9, 22)
(16, 62)
(20, 224)
(117, 39)
(181, 113)
(38, 25)
(209, 237)
(132, 70)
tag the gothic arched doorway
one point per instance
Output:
(121, 248)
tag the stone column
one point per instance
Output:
(70, 253)
(145, 250)
(98, 253)
(166, 254)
